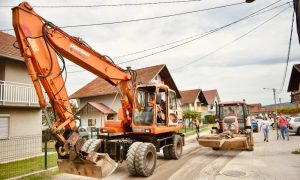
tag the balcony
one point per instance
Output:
(18, 94)
(295, 97)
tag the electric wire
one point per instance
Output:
(200, 36)
(203, 35)
(109, 5)
(144, 19)
(190, 37)
(229, 43)
(288, 55)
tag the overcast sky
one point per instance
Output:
(238, 71)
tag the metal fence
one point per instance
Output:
(24, 155)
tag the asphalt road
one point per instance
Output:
(269, 160)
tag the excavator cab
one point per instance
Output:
(155, 106)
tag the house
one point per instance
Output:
(294, 85)
(94, 114)
(101, 92)
(212, 97)
(20, 113)
(258, 110)
(193, 100)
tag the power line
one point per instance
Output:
(231, 42)
(204, 34)
(201, 36)
(190, 37)
(145, 19)
(288, 55)
(110, 5)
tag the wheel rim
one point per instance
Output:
(178, 148)
(149, 160)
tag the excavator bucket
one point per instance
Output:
(97, 165)
(215, 141)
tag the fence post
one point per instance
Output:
(46, 156)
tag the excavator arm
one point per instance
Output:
(41, 43)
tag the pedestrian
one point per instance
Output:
(197, 124)
(283, 124)
(265, 124)
(272, 122)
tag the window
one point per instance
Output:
(91, 122)
(172, 101)
(4, 120)
(110, 117)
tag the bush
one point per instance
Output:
(210, 119)
(289, 110)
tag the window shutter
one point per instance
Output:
(4, 127)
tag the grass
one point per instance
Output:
(192, 131)
(25, 166)
(45, 175)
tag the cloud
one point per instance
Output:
(238, 71)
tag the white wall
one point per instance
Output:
(23, 121)
(100, 118)
(16, 71)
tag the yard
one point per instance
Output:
(17, 168)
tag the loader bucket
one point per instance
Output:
(98, 165)
(215, 142)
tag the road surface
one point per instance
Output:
(269, 160)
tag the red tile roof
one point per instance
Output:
(6, 47)
(101, 107)
(189, 96)
(99, 86)
(210, 95)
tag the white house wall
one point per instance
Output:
(16, 71)
(92, 115)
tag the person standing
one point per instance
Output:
(265, 124)
(283, 124)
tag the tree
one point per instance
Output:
(191, 116)
(52, 115)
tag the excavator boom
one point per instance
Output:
(41, 43)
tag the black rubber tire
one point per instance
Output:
(166, 151)
(251, 148)
(298, 131)
(94, 146)
(216, 149)
(130, 157)
(176, 148)
(86, 145)
(145, 159)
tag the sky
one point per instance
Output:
(238, 69)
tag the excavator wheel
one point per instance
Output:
(145, 159)
(130, 159)
(86, 145)
(166, 151)
(176, 148)
(95, 145)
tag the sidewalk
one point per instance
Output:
(269, 160)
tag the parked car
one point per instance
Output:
(90, 132)
(294, 125)
(254, 126)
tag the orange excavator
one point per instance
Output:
(148, 119)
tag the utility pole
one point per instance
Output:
(275, 117)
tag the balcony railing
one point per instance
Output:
(12, 93)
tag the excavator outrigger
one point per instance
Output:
(149, 116)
